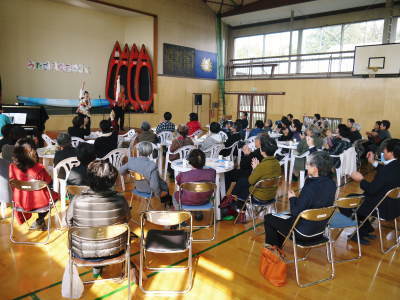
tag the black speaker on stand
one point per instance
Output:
(198, 100)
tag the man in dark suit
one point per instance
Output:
(66, 151)
(387, 177)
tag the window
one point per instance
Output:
(308, 43)
(254, 105)
(323, 39)
(364, 33)
(249, 46)
(398, 31)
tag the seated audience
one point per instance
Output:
(267, 167)
(179, 142)
(5, 192)
(80, 127)
(290, 118)
(259, 129)
(17, 132)
(244, 120)
(382, 134)
(194, 124)
(303, 146)
(4, 119)
(327, 138)
(146, 135)
(197, 160)
(319, 191)
(66, 151)
(100, 206)
(25, 166)
(296, 130)
(6, 131)
(108, 140)
(340, 143)
(386, 178)
(234, 136)
(166, 125)
(317, 121)
(287, 134)
(143, 165)
(355, 130)
(213, 139)
(86, 154)
(268, 126)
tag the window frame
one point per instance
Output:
(251, 112)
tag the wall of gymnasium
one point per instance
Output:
(51, 30)
(364, 99)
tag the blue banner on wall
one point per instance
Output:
(205, 65)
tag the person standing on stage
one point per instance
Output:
(85, 104)
(120, 105)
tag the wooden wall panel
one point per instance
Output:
(364, 99)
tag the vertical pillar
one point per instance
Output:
(220, 64)
(387, 27)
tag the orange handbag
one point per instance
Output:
(273, 266)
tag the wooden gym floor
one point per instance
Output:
(226, 268)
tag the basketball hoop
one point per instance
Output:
(374, 69)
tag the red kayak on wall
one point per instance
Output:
(122, 70)
(144, 81)
(132, 65)
(111, 79)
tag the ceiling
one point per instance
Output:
(238, 12)
(223, 6)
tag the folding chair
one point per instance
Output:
(214, 150)
(258, 204)
(30, 186)
(232, 149)
(59, 185)
(86, 242)
(116, 158)
(183, 153)
(302, 172)
(310, 241)
(340, 221)
(48, 140)
(200, 187)
(146, 196)
(166, 242)
(75, 141)
(393, 194)
(76, 190)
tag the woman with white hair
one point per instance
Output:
(146, 134)
(145, 166)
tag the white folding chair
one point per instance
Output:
(196, 133)
(214, 150)
(302, 172)
(116, 157)
(183, 153)
(232, 149)
(49, 141)
(75, 141)
(339, 170)
(60, 185)
(164, 137)
(284, 161)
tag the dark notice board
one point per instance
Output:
(178, 60)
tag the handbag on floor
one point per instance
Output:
(77, 287)
(273, 266)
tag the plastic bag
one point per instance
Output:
(77, 286)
